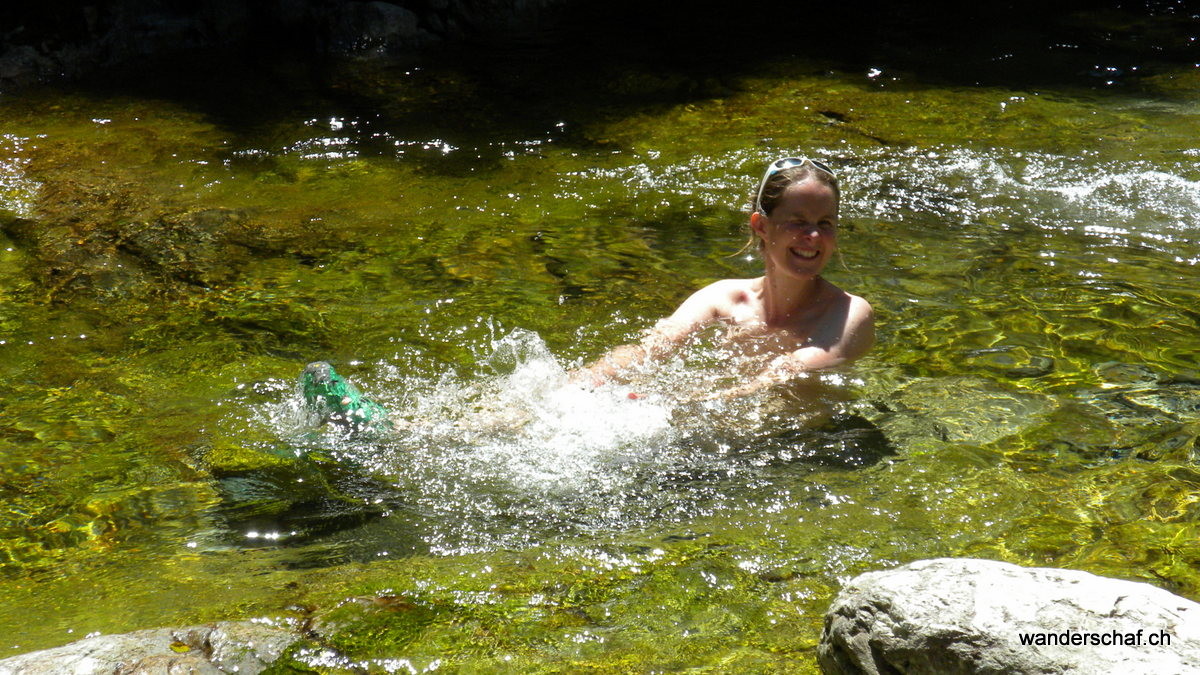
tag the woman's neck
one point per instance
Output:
(784, 299)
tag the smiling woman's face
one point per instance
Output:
(800, 234)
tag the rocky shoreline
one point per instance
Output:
(951, 615)
(222, 647)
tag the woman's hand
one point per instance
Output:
(586, 377)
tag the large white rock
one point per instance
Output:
(222, 647)
(950, 616)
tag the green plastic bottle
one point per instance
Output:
(338, 401)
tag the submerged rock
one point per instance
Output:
(1010, 361)
(984, 616)
(107, 240)
(283, 491)
(222, 647)
(279, 493)
(845, 440)
(966, 410)
(1136, 391)
(1154, 415)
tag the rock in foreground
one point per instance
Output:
(223, 647)
(982, 616)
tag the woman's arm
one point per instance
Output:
(854, 339)
(695, 312)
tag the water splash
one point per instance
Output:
(518, 452)
(530, 425)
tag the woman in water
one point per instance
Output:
(790, 315)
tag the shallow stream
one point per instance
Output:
(453, 243)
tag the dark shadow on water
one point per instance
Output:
(603, 62)
(846, 441)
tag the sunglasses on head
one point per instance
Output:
(786, 163)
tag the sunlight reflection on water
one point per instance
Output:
(17, 191)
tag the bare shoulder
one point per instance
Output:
(859, 335)
(859, 310)
(713, 302)
(729, 288)
(721, 295)
(856, 308)
(854, 331)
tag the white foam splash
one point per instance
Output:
(516, 451)
(540, 431)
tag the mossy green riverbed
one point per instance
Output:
(451, 242)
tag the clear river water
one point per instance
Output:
(454, 233)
